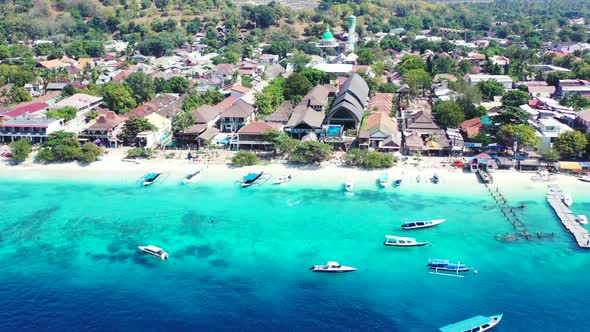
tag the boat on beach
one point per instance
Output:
(384, 180)
(446, 265)
(582, 219)
(477, 323)
(192, 177)
(251, 179)
(150, 178)
(154, 251)
(397, 183)
(567, 199)
(422, 223)
(332, 267)
(398, 241)
(348, 185)
(584, 178)
(282, 179)
(435, 178)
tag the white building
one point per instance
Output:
(549, 129)
(159, 137)
(505, 80)
(34, 129)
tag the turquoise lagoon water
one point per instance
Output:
(69, 259)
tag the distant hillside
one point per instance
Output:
(295, 4)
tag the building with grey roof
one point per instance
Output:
(34, 129)
(350, 103)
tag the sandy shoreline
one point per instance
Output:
(328, 175)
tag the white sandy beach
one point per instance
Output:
(328, 175)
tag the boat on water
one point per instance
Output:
(397, 183)
(283, 179)
(192, 177)
(154, 251)
(398, 241)
(150, 178)
(584, 178)
(384, 180)
(251, 179)
(478, 323)
(332, 267)
(582, 219)
(422, 223)
(348, 185)
(446, 265)
(435, 178)
(567, 199)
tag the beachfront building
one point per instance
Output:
(105, 128)
(206, 118)
(34, 129)
(308, 116)
(282, 114)
(249, 136)
(549, 129)
(422, 130)
(236, 116)
(155, 138)
(350, 104)
(380, 133)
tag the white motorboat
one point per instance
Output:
(584, 178)
(398, 241)
(477, 323)
(282, 179)
(422, 223)
(384, 180)
(332, 267)
(348, 185)
(192, 177)
(567, 199)
(582, 219)
(154, 251)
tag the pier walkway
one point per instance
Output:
(567, 217)
(507, 210)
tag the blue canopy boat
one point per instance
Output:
(150, 178)
(397, 183)
(435, 179)
(384, 180)
(445, 265)
(477, 323)
(250, 179)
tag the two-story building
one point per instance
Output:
(80, 101)
(34, 129)
(236, 116)
(583, 120)
(565, 87)
(248, 137)
(155, 138)
(549, 129)
(381, 133)
(106, 127)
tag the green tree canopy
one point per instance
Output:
(525, 136)
(410, 62)
(118, 97)
(514, 115)
(448, 114)
(135, 126)
(296, 86)
(514, 98)
(20, 150)
(182, 120)
(311, 152)
(194, 100)
(142, 86)
(245, 158)
(66, 112)
(571, 143)
(575, 101)
(490, 89)
(89, 153)
(417, 80)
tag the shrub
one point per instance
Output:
(20, 150)
(89, 152)
(245, 158)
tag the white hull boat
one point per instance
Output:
(282, 179)
(332, 267)
(348, 185)
(192, 177)
(422, 223)
(584, 178)
(582, 219)
(384, 180)
(567, 200)
(477, 323)
(398, 241)
(154, 251)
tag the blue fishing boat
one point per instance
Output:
(445, 265)
(384, 180)
(477, 323)
(435, 178)
(250, 179)
(150, 178)
(397, 183)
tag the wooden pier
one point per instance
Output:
(567, 218)
(507, 210)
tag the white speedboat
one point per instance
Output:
(282, 179)
(384, 180)
(348, 185)
(332, 267)
(477, 323)
(192, 177)
(422, 223)
(398, 241)
(584, 178)
(567, 199)
(154, 251)
(582, 219)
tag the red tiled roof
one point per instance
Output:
(226, 103)
(31, 108)
(256, 127)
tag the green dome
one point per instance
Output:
(328, 35)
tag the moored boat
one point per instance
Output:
(192, 177)
(348, 185)
(384, 180)
(397, 183)
(150, 178)
(584, 178)
(567, 199)
(250, 179)
(582, 219)
(435, 178)
(446, 265)
(477, 323)
(398, 241)
(422, 223)
(154, 251)
(332, 267)
(282, 179)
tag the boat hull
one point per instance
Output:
(417, 244)
(320, 270)
(434, 223)
(449, 269)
